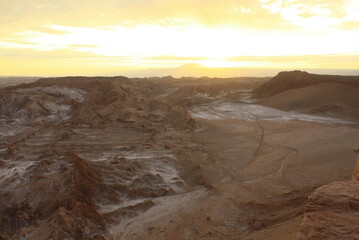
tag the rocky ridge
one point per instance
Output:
(298, 79)
(91, 101)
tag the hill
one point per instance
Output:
(329, 95)
(298, 79)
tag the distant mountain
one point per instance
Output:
(9, 81)
(198, 70)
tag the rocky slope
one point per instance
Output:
(74, 151)
(333, 212)
(90, 101)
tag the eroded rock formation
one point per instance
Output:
(333, 212)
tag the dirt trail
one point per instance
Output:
(270, 176)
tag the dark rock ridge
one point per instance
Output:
(298, 79)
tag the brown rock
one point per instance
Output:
(15, 217)
(355, 175)
(333, 212)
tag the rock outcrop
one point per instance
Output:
(333, 212)
(355, 176)
(95, 101)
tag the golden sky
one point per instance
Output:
(89, 37)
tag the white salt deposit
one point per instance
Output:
(252, 112)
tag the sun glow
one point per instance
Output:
(238, 34)
(196, 41)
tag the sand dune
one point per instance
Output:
(331, 99)
(326, 95)
(297, 79)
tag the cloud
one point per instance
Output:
(168, 32)
(306, 61)
(173, 58)
(254, 14)
(110, 12)
(309, 8)
(310, 14)
(349, 25)
(26, 52)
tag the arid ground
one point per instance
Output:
(169, 158)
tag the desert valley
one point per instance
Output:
(180, 158)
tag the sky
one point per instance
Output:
(104, 37)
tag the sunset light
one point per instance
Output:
(116, 36)
(179, 119)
